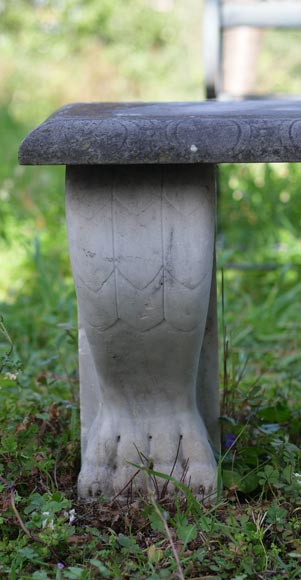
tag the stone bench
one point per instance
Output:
(140, 204)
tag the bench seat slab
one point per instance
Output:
(139, 133)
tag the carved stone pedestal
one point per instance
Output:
(141, 224)
(141, 242)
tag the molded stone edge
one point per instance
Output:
(138, 133)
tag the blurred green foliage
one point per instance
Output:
(69, 50)
(57, 51)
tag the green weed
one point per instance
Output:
(252, 529)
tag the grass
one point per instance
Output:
(252, 530)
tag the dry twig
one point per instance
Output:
(169, 537)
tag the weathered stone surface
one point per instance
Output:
(141, 244)
(134, 133)
(142, 252)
